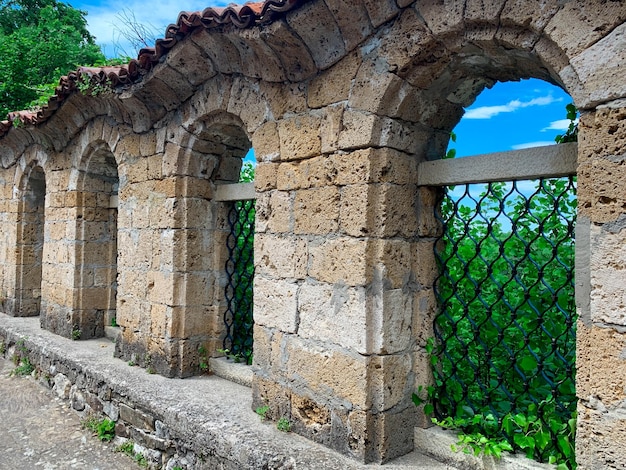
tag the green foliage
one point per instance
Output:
(103, 428)
(237, 357)
(128, 448)
(504, 354)
(23, 367)
(571, 134)
(76, 333)
(20, 358)
(40, 40)
(451, 153)
(529, 431)
(262, 411)
(90, 87)
(106, 430)
(203, 359)
(240, 269)
(3, 348)
(283, 425)
(247, 173)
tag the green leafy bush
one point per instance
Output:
(240, 269)
(504, 355)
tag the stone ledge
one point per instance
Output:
(227, 369)
(437, 443)
(203, 422)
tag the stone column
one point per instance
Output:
(170, 259)
(58, 295)
(600, 289)
(338, 276)
(9, 220)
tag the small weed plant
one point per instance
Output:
(203, 359)
(23, 367)
(20, 359)
(3, 348)
(76, 333)
(262, 412)
(103, 428)
(128, 448)
(283, 425)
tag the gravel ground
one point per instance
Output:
(39, 431)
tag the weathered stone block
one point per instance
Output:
(333, 85)
(608, 258)
(577, 25)
(339, 260)
(325, 310)
(600, 361)
(315, 24)
(136, 417)
(267, 392)
(274, 212)
(331, 127)
(275, 304)
(316, 211)
(299, 137)
(380, 11)
(328, 371)
(278, 256)
(265, 176)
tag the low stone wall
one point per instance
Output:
(195, 423)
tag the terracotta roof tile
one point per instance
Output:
(241, 16)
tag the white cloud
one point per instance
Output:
(560, 125)
(487, 112)
(527, 145)
(102, 20)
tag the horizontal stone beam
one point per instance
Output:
(235, 192)
(550, 162)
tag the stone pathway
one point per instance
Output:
(39, 431)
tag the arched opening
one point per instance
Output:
(30, 242)
(232, 328)
(96, 250)
(504, 329)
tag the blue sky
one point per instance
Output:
(510, 115)
(102, 16)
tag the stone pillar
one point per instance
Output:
(338, 277)
(600, 281)
(170, 259)
(58, 295)
(9, 221)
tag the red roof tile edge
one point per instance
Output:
(241, 16)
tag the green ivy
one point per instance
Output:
(503, 356)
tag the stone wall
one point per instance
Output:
(340, 101)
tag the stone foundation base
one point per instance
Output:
(196, 423)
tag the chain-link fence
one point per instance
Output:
(505, 344)
(239, 287)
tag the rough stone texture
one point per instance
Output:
(198, 424)
(341, 101)
(601, 392)
(602, 148)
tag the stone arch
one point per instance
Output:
(96, 197)
(360, 228)
(414, 97)
(30, 227)
(169, 302)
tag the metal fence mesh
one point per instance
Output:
(238, 317)
(505, 332)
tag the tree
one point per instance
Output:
(128, 30)
(40, 40)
